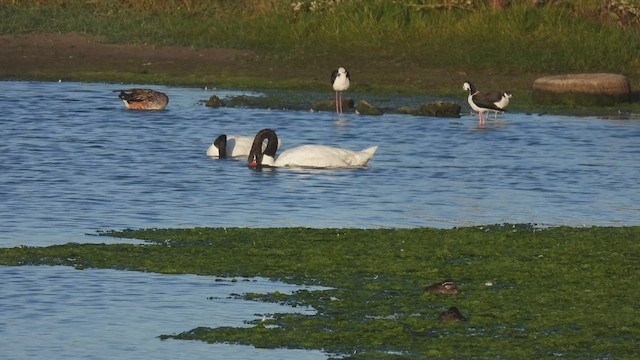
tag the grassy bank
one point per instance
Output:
(526, 293)
(401, 46)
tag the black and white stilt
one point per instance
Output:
(500, 99)
(340, 80)
(479, 102)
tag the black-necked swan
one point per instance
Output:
(479, 101)
(313, 156)
(143, 99)
(340, 81)
(232, 146)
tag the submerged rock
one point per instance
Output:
(440, 109)
(446, 109)
(330, 105)
(364, 108)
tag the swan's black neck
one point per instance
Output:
(221, 143)
(256, 154)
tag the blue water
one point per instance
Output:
(61, 313)
(73, 161)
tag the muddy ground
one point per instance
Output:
(90, 58)
(68, 55)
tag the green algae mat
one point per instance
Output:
(524, 292)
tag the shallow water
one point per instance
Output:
(62, 313)
(73, 161)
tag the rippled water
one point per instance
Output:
(61, 313)
(73, 161)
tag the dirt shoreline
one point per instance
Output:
(50, 56)
(89, 58)
(76, 57)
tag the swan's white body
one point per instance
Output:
(237, 146)
(320, 156)
(313, 156)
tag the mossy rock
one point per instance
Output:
(214, 102)
(600, 89)
(330, 105)
(242, 100)
(440, 109)
(407, 110)
(364, 108)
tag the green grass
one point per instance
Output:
(565, 37)
(566, 291)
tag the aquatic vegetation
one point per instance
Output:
(525, 292)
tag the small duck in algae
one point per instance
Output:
(451, 315)
(445, 287)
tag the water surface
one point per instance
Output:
(61, 313)
(74, 161)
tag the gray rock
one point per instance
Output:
(599, 89)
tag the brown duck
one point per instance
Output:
(143, 99)
(445, 287)
(453, 314)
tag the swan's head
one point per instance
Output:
(259, 157)
(221, 143)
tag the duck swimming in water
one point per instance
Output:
(143, 99)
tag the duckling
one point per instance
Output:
(143, 99)
(445, 287)
(453, 314)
